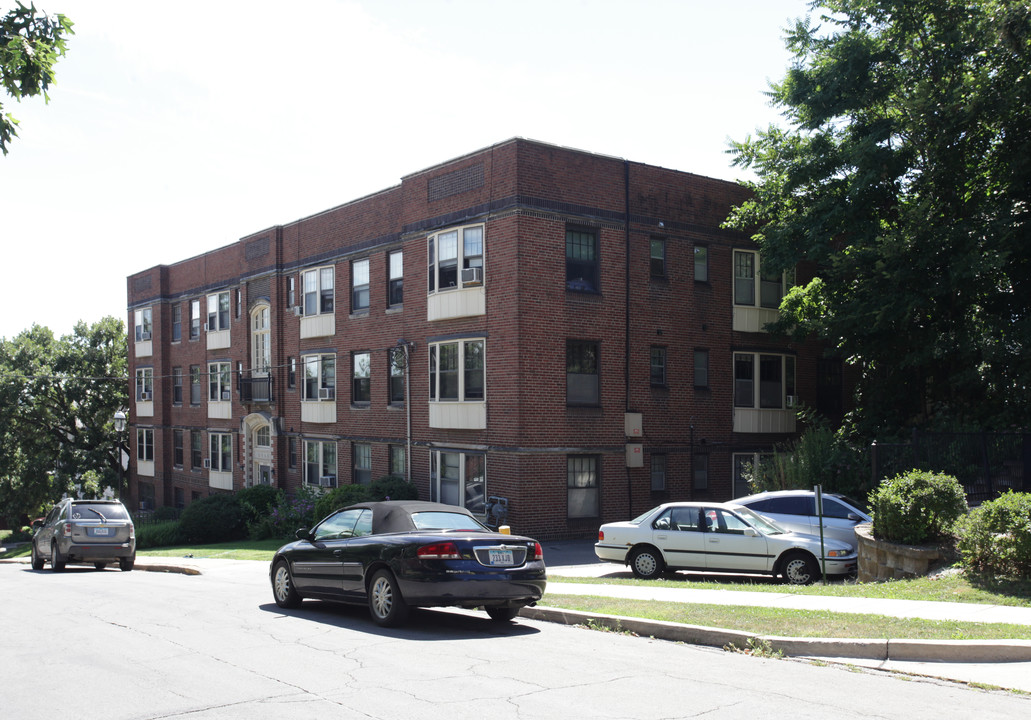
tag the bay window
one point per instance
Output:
(218, 311)
(455, 258)
(220, 447)
(219, 383)
(319, 377)
(320, 463)
(457, 371)
(318, 291)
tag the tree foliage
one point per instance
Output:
(904, 177)
(30, 44)
(58, 398)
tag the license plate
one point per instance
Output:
(101, 531)
(501, 557)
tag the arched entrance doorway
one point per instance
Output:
(259, 461)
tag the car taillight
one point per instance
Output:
(538, 551)
(67, 529)
(439, 551)
(601, 536)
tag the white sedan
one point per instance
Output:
(718, 537)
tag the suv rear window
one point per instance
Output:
(98, 511)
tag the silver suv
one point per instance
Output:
(796, 510)
(94, 532)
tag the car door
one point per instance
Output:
(794, 513)
(316, 564)
(839, 521)
(732, 544)
(354, 553)
(45, 533)
(679, 533)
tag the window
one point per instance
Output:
(319, 377)
(291, 372)
(701, 263)
(263, 436)
(658, 473)
(452, 251)
(239, 302)
(177, 323)
(144, 324)
(582, 260)
(582, 387)
(144, 384)
(177, 448)
(362, 463)
(748, 284)
(291, 291)
(177, 385)
(457, 371)
(221, 451)
(194, 319)
(145, 444)
(196, 456)
(397, 461)
(195, 385)
(701, 368)
(395, 278)
(361, 377)
(359, 285)
(318, 291)
(320, 463)
(261, 345)
(701, 471)
(218, 381)
(658, 366)
(218, 311)
(582, 499)
(658, 257)
(775, 381)
(397, 375)
(291, 452)
(458, 478)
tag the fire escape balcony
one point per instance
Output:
(257, 389)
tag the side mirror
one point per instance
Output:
(854, 518)
(751, 532)
(303, 534)
(37, 523)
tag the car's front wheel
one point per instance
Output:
(800, 569)
(387, 606)
(283, 587)
(502, 614)
(57, 560)
(37, 559)
(646, 562)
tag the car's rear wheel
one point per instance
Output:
(502, 614)
(99, 565)
(387, 606)
(57, 560)
(646, 562)
(127, 564)
(283, 587)
(37, 559)
(800, 569)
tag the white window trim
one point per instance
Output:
(144, 324)
(224, 385)
(317, 272)
(216, 298)
(460, 260)
(463, 481)
(322, 462)
(318, 359)
(214, 457)
(755, 419)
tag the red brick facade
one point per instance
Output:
(526, 314)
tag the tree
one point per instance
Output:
(903, 178)
(30, 44)
(57, 403)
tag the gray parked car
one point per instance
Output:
(796, 510)
(94, 532)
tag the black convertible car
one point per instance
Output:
(399, 554)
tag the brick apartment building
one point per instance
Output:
(571, 332)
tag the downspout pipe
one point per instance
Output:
(626, 318)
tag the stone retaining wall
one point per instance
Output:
(879, 560)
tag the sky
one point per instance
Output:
(177, 128)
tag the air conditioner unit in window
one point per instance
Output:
(145, 396)
(227, 395)
(207, 463)
(327, 480)
(298, 310)
(327, 393)
(789, 401)
(205, 327)
(145, 336)
(472, 276)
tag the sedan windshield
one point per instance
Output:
(445, 521)
(763, 525)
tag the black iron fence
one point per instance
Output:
(986, 464)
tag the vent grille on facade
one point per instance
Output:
(453, 183)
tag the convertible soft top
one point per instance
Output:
(391, 516)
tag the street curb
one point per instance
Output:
(955, 651)
(144, 566)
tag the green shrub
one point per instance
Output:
(996, 537)
(258, 502)
(165, 512)
(340, 497)
(214, 519)
(290, 513)
(392, 487)
(158, 534)
(916, 507)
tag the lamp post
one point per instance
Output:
(120, 424)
